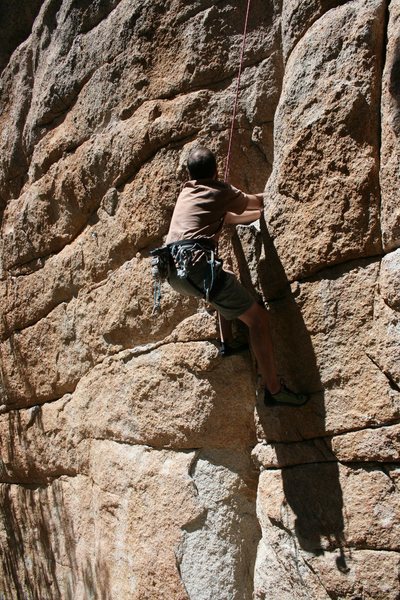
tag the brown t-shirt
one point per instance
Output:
(201, 208)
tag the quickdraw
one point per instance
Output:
(160, 265)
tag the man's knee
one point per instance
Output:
(255, 316)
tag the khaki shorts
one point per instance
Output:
(228, 296)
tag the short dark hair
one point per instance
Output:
(201, 163)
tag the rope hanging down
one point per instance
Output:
(228, 158)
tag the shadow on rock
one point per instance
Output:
(40, 559)
(309, 470)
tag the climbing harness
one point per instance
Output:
(228, 157)
(181, 256)
(184, 254)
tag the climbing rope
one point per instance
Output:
(228, 157)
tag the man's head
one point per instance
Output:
(201, 163)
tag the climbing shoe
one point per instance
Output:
(235, 347)
(285, 397)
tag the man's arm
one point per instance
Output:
(251, 213)
(247, 216)
(254, 201)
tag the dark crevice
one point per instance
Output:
(378, 113)
(394, 386)
(193, 13)
(350, 463)
(37, 402)
(381, 71)
(31, 322)
(44, 483)
(129, 177)
(365, 547)
(16, 22)
(32, 265)
(103, 12)
(353, 263)
(219, 84)
(339, 432)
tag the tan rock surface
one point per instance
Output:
(60, 348)
(323, 335)
(327, 127)
(173, 396)
(130, 541)
(91, 533)
(322, 548)
(390, 113)
(125, 440)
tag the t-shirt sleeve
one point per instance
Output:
(236, 201)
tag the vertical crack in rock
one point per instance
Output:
(15, 25)
(388, 375)
(384, 55)
(390, 132)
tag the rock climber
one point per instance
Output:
(204, 205)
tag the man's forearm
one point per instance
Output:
(255, 201)
(248, 216)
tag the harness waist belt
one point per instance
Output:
(205, 243)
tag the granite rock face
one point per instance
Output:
(390, 115)
(135, 462)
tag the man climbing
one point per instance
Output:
(203, 206)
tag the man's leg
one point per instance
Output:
(256, 319)
(229, 345)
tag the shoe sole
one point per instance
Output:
(233, 352)
(272, 402)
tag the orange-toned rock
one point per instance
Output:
(310, 514)
(390, 149)
(323, 197)
(102, 528)
(125, 439)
